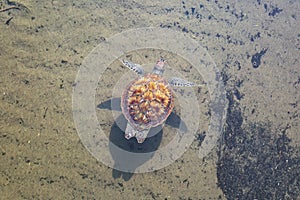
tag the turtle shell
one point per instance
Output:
(147, 101)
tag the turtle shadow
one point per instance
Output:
(107, 104)
(120, 148)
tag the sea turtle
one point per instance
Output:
(148, 100)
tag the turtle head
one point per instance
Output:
(159, 68)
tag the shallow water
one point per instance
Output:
(255, 46)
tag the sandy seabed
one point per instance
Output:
(255, 45)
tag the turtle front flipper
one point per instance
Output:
(181, 82)
(134, 67)
(131, 132)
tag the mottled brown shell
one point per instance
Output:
(147, 101)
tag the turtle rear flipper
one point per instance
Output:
(131, 132)
(134, 67)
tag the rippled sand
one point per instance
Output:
(255, 45)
